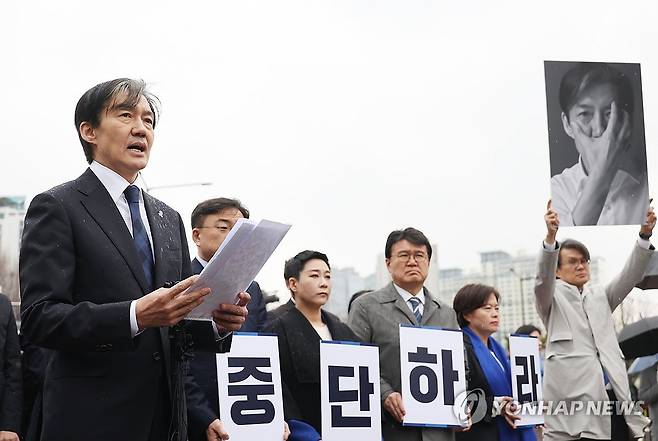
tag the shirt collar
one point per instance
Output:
(406, 295)
(581, 175)
(111, 180)
(202, 261)
(581, 169)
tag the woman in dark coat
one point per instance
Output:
(300, 331)
(487, 368)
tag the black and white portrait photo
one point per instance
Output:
(597, 144)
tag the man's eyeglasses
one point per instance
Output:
(574, 263)
(218, 227)
(418, 257)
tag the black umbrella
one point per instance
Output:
(640, 338)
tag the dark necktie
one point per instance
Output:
(415, 307)
(140, 237)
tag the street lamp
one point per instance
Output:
(521, 280)
(191, 184)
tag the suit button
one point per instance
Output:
(157, 356)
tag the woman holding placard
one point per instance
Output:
(487, 368)
(300, 330)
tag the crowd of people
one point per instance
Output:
(96, 260)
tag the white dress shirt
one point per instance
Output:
(406, 295)
(202, 261)
(626, 203)
(323, 331)
(115, 185)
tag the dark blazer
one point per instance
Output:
(79, 271)
(486, 428)
(11, 395)
(280, 310)
(201, 383)
(299, 355)
(33, 364)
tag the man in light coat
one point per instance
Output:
(375, 318)
(582, 353)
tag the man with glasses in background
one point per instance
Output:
(212, 220)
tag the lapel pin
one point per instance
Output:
(160, 213)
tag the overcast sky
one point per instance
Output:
(347, 119)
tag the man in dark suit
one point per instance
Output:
(94, 254)
(11, 397)
(211, 222)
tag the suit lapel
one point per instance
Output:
(335, 329)
(338, 329)
(393, 296)
(402, 306)
(304, 345)
(196, 266)
(430, 308)
(162, 228)
(101, 207)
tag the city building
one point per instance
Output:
(344, 283)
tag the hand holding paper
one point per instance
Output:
(166, 306)
(233, 267)
(232, 317)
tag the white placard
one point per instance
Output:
(249, 384)
(433, 375)
(349, 378)
(526, 378)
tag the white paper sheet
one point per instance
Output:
(236, 263)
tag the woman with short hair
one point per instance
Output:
(299, 331)
(487, 367)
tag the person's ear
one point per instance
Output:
(87, 132)
(388, 264)
(567, 126)
(293, 285)
(196, 236)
